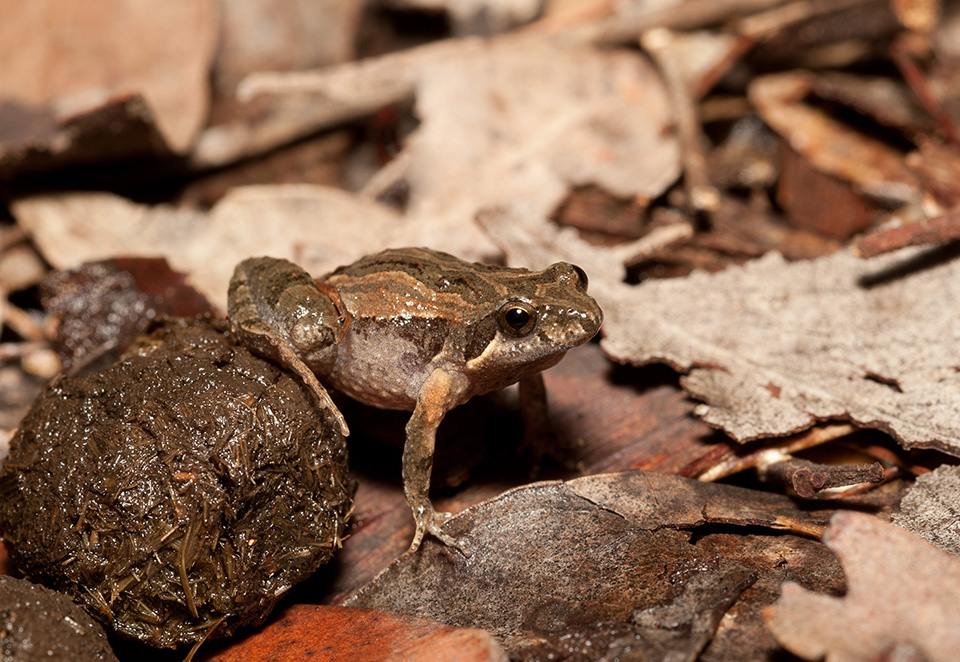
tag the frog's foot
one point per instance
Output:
(430, 521)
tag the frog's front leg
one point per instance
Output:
(439, 394)
(277, 311)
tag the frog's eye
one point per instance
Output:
(582, 275)
(517, 318)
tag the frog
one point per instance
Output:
(413, 329)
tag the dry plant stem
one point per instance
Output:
(17, 350)
(563, 20)
(22, 323)
(701, 195)
(809, 439)
(890, 457)
(927, 231)
(768, 23)
(808, 479)
(917, 81)
(653, 242)
(624, 26)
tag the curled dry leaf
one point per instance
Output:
(322, 228)
(916, 619)
(930, 508)
(72, 57)
(590, 568)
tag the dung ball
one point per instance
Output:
(178, 493)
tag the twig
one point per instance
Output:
(737, 463)
(926, 231)
(808, 479)
(701, 195)
(918, 83)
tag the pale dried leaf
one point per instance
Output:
(774, 347)
(73, 56)
(931, 508)
(283, 35)
(903, 599)
(319, 228)
(505, 120)
(522, 120)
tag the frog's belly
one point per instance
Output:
(382, 370)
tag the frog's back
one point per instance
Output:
(430, 275)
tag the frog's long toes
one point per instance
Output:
(432, 525)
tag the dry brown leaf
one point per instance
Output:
(72, 56)
(590, 568)
(930, 508)
(322, 228)
(341, 634)
(829, 145)
(915, 619)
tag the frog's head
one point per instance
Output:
(538, 316)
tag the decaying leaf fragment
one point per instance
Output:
(931, 508)
(774, 347)
(902, 601)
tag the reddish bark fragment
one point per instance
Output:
(359, 635)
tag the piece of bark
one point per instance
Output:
(867, 624)
(357, 635)
(71, 57)
(929, 508)
(774, 347)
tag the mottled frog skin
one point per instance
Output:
(413, 329)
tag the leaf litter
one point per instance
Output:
(513, 122)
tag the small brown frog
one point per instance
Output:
(413, 329)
